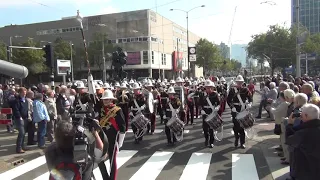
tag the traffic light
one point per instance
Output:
(68, 76)
(49, 56)
(119, 59)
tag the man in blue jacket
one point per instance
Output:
(20, 109)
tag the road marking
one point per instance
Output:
(244, 167)
(122, 158)
(263, 124)
(156, 131)
(186, 131)
(199, 163)
(153, 166)
(7, 145)
(24, 168)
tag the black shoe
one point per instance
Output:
(210, 146)
(206, 143)
(258, 117)
(236, 143)
(136, 141)
(242, 146)
(278, 148)
(170, 144)
(31, 144)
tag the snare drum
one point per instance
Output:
(245, 119)
(175, 125)
(140, 121)
(214, 121)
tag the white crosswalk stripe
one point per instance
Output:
(243, 166)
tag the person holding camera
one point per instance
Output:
(60, 155)
(113, 124)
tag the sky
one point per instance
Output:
(212, 22)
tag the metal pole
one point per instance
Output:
(104, 75)
(178, 56)
(10, 46)
(298, 63)
(188, 45)
(306, 64)
(71, 60)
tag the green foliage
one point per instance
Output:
(208, 54)
(278, 44)
(31, 58)
(62, 49)
(312, 44)
(96, 46)
(3, 51)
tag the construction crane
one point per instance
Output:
(230, 35)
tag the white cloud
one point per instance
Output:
(251, 18)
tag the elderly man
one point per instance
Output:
(271, 97)
(303, 139)
(309, 91)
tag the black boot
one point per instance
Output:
(242, 146)
(206, 142)
(236, 142)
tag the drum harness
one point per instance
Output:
(139, 134)
(243, 109)
(215, 111)
(175, 117)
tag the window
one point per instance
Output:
(145, 57)
(163, 59)
(119, 40)
(144, 39)
(152, 57)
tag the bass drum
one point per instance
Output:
(150, 101)
(215, 122)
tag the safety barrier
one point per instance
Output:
(4, 116)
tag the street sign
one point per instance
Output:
(192, 51)
(63, 66)
(312, 56)
(192, 57)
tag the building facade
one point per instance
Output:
(225, 50)
(309, 14)
(156, 46)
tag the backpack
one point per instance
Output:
(66, 171)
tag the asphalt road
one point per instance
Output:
(187, 160)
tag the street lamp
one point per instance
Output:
(16, 36)
(187, 16)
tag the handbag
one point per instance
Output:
(277, 129)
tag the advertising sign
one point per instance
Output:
(63, 66)
(133, 58)
(177, 59)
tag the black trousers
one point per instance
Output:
(170, 136)
(112, 154)
(208, 133)
(197, 104)
(190, 113)
(135, 130)
(237, 129)
(31, 130)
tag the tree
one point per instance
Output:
(208, 54)
(277, 46)
(31, 58)
(95, 49)
(62, 49)
(3, 51)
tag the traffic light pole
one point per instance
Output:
(104, 75)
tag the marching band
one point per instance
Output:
(177, 102)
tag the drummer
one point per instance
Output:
(176, 103)
(210, 102)
(237, 97)
(139, 100)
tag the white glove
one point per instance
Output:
(217, 108)
(121, 139)
(130, 114)
(233, 109)
(143, 107)
(203, 112)
(249, 105)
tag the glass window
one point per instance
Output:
(144, 39)
(140, 39)
(162, 62)
(119, 40)
(164, 59)
(128, 39)
(145, 57)
(152, 57)
(133, 39)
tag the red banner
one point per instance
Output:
(177, 58)
(133, 58)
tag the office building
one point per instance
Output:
(224, 50)
(156, 46)
(309, 14)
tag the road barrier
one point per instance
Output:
(5, 116)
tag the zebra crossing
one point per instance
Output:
(197, 167)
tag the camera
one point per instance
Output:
(296, 113)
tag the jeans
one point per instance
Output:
(20, 126)
(42, 126)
